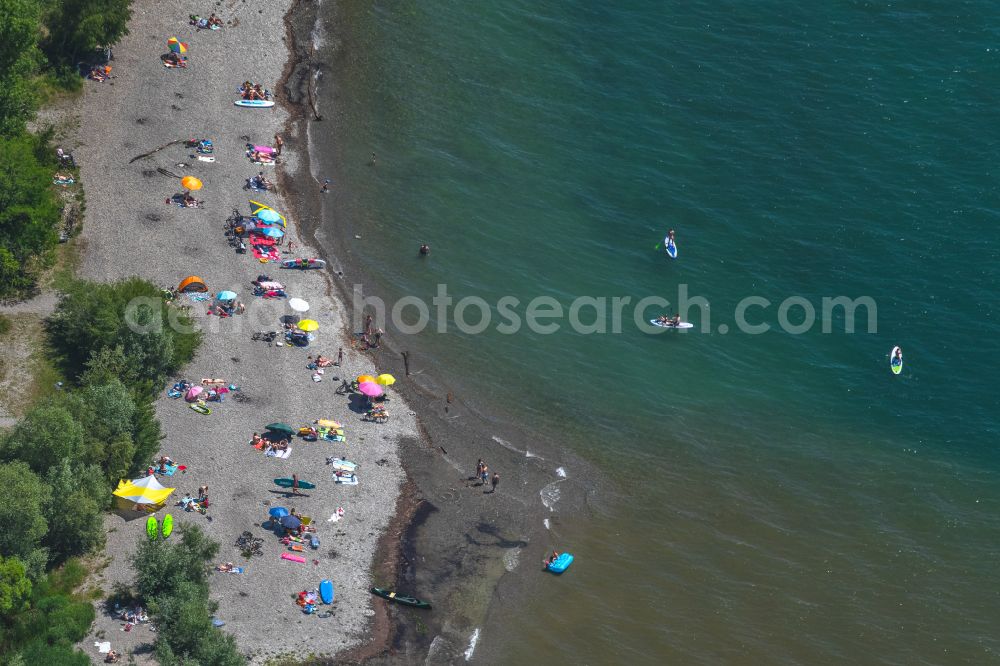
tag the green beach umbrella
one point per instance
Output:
(280, 427)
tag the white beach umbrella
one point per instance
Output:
(298, 305)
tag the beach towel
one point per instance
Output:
(104, 647)
(317, 377)
(171, 469)
(269, 255)
(198, 297)
(279, 454)
(293, 558)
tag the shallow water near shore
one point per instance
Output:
(768, 498)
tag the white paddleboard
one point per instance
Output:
(671, 247)
(206, 158)
(895, 363)
(681, 325)
(255, 103)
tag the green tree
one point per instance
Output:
(23, 498)
(44, 437)
(161, 566)
(77, 496)
(93, 320)
(19, 59)
(29, 212)
(15, 587)
(78, 27)
(186, 633)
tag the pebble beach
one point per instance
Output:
(131, 231)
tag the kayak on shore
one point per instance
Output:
(400, 598)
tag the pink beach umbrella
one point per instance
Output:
(193, 393)
(370, 389)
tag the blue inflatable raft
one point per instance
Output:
(561, 564)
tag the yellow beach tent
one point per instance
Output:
(146, 490)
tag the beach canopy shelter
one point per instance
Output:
(146, 490)
(192, 283)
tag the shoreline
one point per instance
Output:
(170, 243)
(464, 572)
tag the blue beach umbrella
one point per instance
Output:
(277, 512)
(226, 296)
(268, 215)
(291, 522)
(271, 232)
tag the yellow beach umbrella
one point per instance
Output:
(385, 380)
(308, 325)
(191, 183)
(364, 378)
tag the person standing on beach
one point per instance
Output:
(495, 481)
(479, 469)
(295, 484)
(340, 357)
(278, 145)
(484, 474)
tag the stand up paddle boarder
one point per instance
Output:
(671, 244)
(896, 362)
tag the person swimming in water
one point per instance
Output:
(425, 249)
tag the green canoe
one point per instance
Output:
(400, 598)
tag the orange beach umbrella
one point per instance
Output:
(191, 183)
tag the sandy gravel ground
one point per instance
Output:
(129, 230)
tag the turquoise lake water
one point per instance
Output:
(775, 498)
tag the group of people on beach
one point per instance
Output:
(251, 91)
(213, 22)
(483, 476)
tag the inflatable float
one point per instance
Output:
(561, 564)
(254, 103)
(293, 558)
(326, 591)
(343, 465)
(304, 263)
(168, 526)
